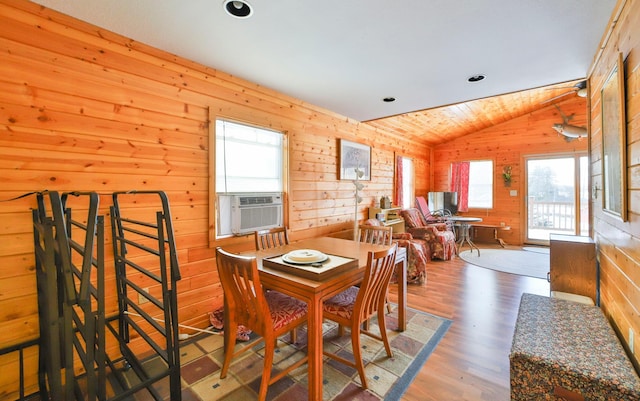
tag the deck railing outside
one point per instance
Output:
(552, 216)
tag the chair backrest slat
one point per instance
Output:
(375, 234)
(243, 290)
(271, 238)
(374, 286)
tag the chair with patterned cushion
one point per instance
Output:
(377, 235)
(356, 305)
(417, 253)
(439, 236)
(271, 238)
(270, 314)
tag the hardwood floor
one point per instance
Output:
(472, 360)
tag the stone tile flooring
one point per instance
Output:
(201, 360)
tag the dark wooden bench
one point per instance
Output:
(488, 232)
(567, 350)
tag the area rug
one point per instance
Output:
(539, 249)
(201, 359)
(514, 261)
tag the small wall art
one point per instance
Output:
(354, 156)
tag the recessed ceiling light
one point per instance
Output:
(389, 99)
(476, 78)
(237, 8)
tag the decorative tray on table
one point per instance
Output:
(310, 263)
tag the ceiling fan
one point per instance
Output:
(569, 131)
(579, 89)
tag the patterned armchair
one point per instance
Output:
(417, 254)
(439, 237)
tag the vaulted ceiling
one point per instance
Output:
(442, 124)
(347, 57)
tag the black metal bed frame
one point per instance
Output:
(153, 239)
(74, 363)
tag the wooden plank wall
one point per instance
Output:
(85, 109)
(507, 144)
(618, 242)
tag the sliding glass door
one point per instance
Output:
(557, 197)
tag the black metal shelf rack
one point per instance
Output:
(77, 356)
(146, 258)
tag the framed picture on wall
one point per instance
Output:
(614, 143)
(353, 156)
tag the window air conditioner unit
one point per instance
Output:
(257, 211)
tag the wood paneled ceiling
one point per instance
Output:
(442, 124)
(349, 56)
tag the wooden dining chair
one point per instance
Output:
(378, 235)
(354, 306)
(269, 314)
(271, 238)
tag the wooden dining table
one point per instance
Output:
(314, 292)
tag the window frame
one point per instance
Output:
(411, 184)
(261, 121)
(256, 127)
(493, 181)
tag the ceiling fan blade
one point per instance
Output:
(576, 87)
(560, 87)
(557, 97)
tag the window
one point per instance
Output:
(481, 184)
(248, 159)
(473, 182)
(404, 182)
(408, 189)
(249, 170)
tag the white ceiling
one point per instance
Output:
(346, 56)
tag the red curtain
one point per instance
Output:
(460, 184)
(397, 198)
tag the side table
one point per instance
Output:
(464, 224)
